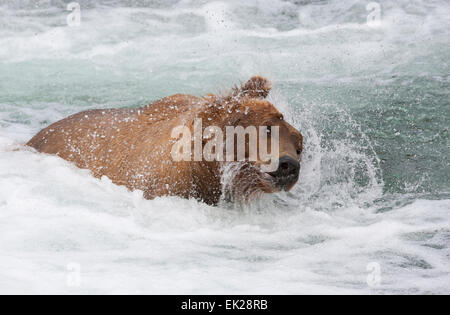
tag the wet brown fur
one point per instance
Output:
(132, 147)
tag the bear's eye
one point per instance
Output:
(299, 151)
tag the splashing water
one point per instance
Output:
(371, 102)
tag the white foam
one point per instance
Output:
(53, 214)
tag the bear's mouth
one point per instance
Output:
(281, 182)
(271, 181)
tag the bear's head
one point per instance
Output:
(269, 164)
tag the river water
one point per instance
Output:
(370, 213)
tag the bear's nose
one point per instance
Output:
(287, 172)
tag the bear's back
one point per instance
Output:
(130, 146)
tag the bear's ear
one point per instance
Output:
(256, 87)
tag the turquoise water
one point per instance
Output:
(371, 101)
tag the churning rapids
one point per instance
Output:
(370, 214)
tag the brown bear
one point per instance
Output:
(134, 147)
